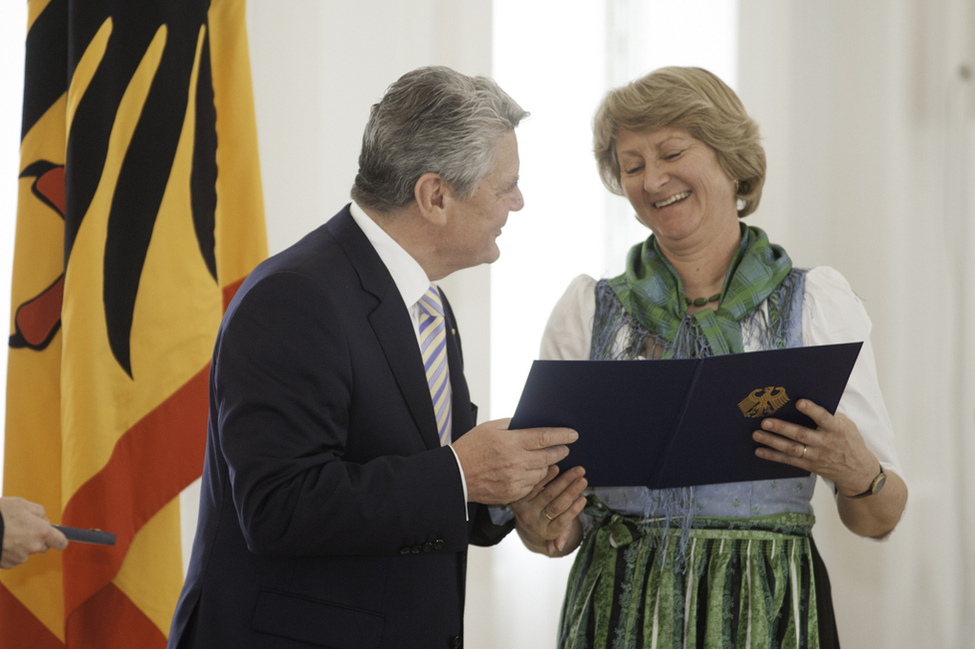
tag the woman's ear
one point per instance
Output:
(431, 197)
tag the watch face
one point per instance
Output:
(878, 483)
(875, 486)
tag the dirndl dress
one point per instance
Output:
(721, 581)
(730, 565)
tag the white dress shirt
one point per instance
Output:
(410, 279)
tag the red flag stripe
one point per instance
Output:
(20, 628)
(151, 464)
(50, 188)
(110, 619)
(37, 318)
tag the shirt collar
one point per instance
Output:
(410, 278)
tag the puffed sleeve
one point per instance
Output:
(833, 314)
(568, 334)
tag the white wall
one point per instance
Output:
(870, 134)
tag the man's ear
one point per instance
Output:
(431, 197)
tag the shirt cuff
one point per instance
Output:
(463, 481)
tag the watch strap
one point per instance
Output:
(875, 485)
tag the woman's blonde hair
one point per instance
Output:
(692, 99)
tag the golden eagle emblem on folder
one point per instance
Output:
(763, 403)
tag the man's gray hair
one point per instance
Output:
(432, 119)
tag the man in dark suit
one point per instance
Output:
(338, 501)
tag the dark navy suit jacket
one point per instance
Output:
(330, 515)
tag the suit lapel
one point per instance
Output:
(391, 323)
(464, 412)
(461, 407)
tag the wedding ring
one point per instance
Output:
(550, 519)
(804, 449)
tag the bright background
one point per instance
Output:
(868, 115)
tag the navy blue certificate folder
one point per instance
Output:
(684, 422)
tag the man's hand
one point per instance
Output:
(502, 466)
(26, 531)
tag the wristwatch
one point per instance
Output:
(875, 486)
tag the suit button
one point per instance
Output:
(404, 550)
(427, 546)
(416, 549)
(438, 545)
(456, 642)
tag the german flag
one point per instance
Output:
(139, 213)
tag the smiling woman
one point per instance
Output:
(678, 188)
(13, 21)
(645, 541)
(569, 224)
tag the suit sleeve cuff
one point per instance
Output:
(463, 482)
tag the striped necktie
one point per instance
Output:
(433, 348)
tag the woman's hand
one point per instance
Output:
(547, 518)
(836, 451)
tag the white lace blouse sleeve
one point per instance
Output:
(568, 334)
(832, 314)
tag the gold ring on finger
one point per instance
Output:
(550, 519)
(804, 449)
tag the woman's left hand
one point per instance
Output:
(547, 518)
(835, 450)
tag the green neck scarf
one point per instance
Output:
(652, 292)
